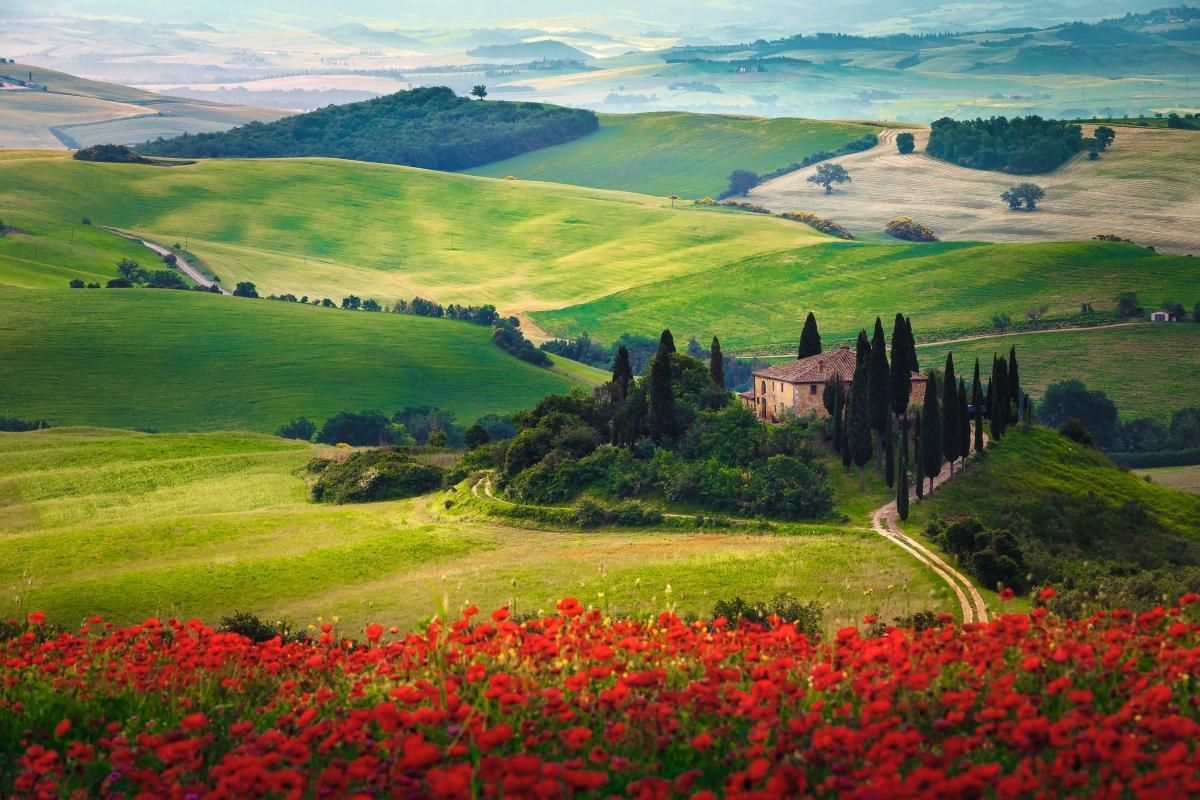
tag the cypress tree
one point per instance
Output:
(666, 342)
(964, 424)
(910, 347)
(858, 424)
(862, 351)
(951, 431)
(931, 432)
(1001, 403)
(1014, 382)
(977, 399)
(902, 477)
(846, 434)
(878, 397)
(889, 449)
(918, 459)
(835, 402)
(994, 397)
(810, 338)
(716, 365)
(662, 398)
(900, 377)
(622, 375)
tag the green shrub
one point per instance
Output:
(904, 228)
(805, 616)
(373, 475)
(246, 624)
(819, 223)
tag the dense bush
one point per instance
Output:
(1071, 400)
(588, 513)
(513, 342)
(992, 556)
(243, 623)
(582, 349)
(806, 617)
(1022, 145)
(372, 475)
(427, 127)
(820, 223)
(362, 429)
(905, 228)
(302, 428)
(111, 154)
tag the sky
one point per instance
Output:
(694, 17)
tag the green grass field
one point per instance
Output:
(758, 305)
(128, 525)
(170, 360)
(330, 228)
(665, 153)
(1148, 370)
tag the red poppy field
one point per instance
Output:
(1027, 705)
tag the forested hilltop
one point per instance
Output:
(1022, 145)
(430, 128)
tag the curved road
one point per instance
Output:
(180, 261)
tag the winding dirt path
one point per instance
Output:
(180, 262)
(885, 522)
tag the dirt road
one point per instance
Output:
(180, 262)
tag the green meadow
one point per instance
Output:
(758, 304)
(128, 525)
(322, 227)
(1149, 370)
(173, 360)
(680, 153)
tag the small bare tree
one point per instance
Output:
(1035, 314)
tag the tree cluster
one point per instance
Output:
(905, 228)
(1023, 193)
(427, 127)
(1021, 146)
(111, 154)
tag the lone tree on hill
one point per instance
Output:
(858, 424)
(479, 90)
(905, 143)
(931, 431)
(810, 338)
(741, 181)
(622, 376)
(951, 431)
(1105, 136)
(829, 174)
(1027, 193)
(716, 364)
(900, 378)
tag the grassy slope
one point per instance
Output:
(327, 227)
(196, 361)
(759, 303)
(202, 524)
(1041, 464)
(690, 155)
(1148, 370)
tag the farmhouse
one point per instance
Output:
(1163, 315)
(796, 388)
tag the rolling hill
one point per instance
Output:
(331, 228)
(200, 525)
(431, 128)
(173, 360)
(62, 110)
(664, 153)
(1142, 188)
(758, 304)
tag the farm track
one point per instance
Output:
(180, 262)
(1143, 188)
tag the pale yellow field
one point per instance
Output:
(1146, 187)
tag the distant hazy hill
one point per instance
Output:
(430, 128)
(544, 48)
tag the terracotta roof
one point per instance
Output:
(819, 368)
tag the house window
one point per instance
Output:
(812, 388)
